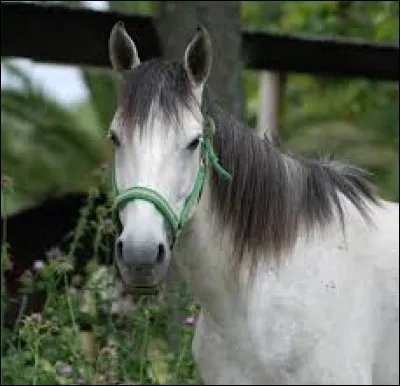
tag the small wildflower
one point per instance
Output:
(36, 317)
(38, 266)
(109, 225)
(55, 253)
(108, 351)
(80, 381)
(190, 320)
(66, 371)
(72, 290)
(6, 182)
(108, 221)
(99, 379)
(64, 266)
(54, 325)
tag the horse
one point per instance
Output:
(293, 261)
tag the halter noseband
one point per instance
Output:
(177, 221)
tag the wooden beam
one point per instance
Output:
(333, 57)
(76, 36)
(66, 35)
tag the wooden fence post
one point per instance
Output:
(271, 105)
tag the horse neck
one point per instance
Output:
(203, 258)
(204, 251)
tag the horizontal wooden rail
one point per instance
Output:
(79, 36)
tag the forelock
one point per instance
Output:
(156, 86)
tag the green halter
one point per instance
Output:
(177, 221)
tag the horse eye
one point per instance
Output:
(113, 137)
(193, 145)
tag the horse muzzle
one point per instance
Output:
(141, 265)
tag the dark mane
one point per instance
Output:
(162, 82)
(273, 195)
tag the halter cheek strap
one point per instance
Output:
(177, 221)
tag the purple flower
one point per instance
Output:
(66, 371)
(109, 224)
(190, 320)
(55, 253)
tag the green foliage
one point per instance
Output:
(48, 348)
(145, 8)
(259, 15)
(103, 94)
(76, 339)
(49, 149)
(43, 139)
(371, 21)
(40, 141)
(357, 120)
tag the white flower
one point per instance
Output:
(38, 265)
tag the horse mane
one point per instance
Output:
(273, 195)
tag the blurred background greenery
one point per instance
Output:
(48, 148)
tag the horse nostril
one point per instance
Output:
(161, 254)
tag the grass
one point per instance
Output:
(77, 340)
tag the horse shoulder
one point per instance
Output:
(385, 247)
(218, 361)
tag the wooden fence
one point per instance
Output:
(76, 36)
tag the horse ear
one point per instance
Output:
(198, 57)
(122, 50)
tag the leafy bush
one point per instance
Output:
(76, 339)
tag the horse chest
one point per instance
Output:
(239, 359)
(220, 360)
(289, 335)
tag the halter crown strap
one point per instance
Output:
(177, 222)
